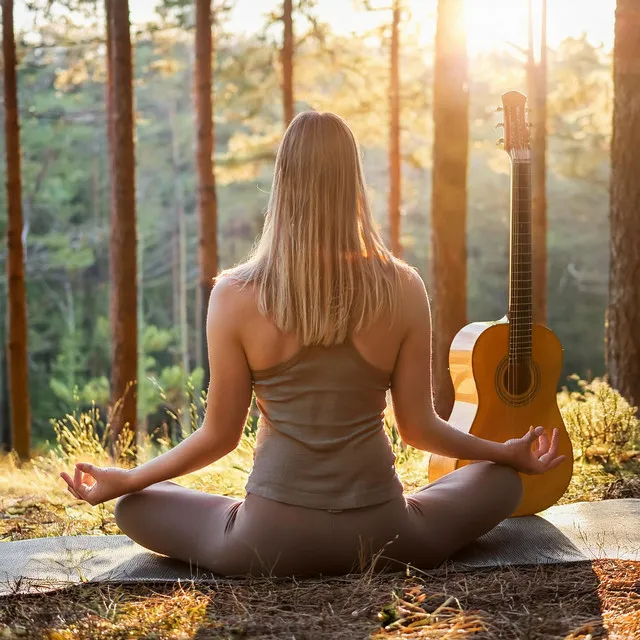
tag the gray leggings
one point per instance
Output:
(257, 536)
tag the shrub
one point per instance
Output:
(600, 422)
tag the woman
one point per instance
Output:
(320, 322)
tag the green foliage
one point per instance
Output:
(174, 390)
(601, 423)
(66, 182)
(580, 104)
(96, 391)
(156, 340)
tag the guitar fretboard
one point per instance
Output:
(520, 288)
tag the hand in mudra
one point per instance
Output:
(97, 484)
(525, 458)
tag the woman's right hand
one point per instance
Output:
(97, 484)
(519, 455)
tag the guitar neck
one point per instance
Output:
(520, 276)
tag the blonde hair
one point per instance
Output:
(320, 262)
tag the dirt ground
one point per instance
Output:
(579, 601)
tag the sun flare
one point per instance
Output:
(493, 25)
(499, 24)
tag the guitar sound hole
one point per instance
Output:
(517, 378)
(517, 383)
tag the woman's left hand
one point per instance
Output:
(521, 457)
(97, 484)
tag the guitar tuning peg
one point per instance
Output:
(500, 124)
(499, 142)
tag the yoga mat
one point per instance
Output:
(568, 533)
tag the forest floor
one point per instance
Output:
(577, 601)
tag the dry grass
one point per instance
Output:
(580, 601)
(572, 601)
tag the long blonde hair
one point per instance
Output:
(320, 263)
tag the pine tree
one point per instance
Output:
(395, 176)
(17, 299)
(123, 249)
(287, 62)
(205, 136)
(449, 194)
(623, 314)
(537, 89)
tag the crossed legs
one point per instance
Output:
(231, 536)
(458, 508)
(173, 520)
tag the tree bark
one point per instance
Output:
(205, 136)
(123, 249)
(177, 270)
(17, 299)
(5, 410)
(287, 62)
(623, 314)
(110, 111)
(394, 136)
(181, 253)
(449, 195)
(537, 89)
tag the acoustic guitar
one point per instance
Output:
(505, 373)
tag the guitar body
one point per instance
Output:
(488, 405)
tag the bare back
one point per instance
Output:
(266, 346)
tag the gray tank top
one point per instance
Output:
(321, 441)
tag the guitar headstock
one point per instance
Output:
(516, 128)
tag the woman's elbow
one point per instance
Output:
(412, 438)
(221, 442)
(415, 433)
(229, 445)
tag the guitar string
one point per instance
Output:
(516, 275)
(520, 294)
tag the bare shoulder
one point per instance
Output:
(412, 282)
(413, 293)
(231, 299)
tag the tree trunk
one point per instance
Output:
(5, 411)
(623, 317)
(537, 89)
(16, 293)
(287, 62)
(105, 260)
(449, 195)
(176, 240)
(200, 338)
(205, 136)
(175, 280)
(123, 250)
(110, 111)
(394, 136)
(143, 424)
(181, 239)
